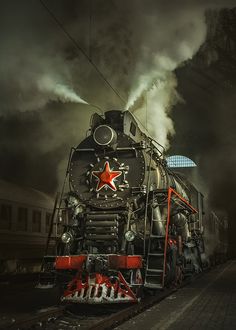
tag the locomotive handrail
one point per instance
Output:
(148, 135)
(51, 226)
(154, 141)
(84, 149)
(187, 205)
(117, 149)
(146, 206)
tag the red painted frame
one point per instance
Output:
(170, 192)
(114, 262)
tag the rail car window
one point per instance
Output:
(5, 216)
(22, 220)
(36, 223)
(48, 221)
(132, 129)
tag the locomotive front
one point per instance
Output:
(120, 233)
(108, 180)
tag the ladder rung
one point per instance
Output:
(156, 254)
(156, 236)
(155, 270)
(162, 221)
(156, 277)
(152, 277)
(153, 286)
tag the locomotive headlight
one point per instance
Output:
(104, 135)
(66, 237)
(129, 236)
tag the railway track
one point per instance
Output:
(89, 317)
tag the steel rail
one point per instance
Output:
(100, 323)
(33, 320)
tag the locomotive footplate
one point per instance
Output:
(107, 262)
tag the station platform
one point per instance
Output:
(209, 302)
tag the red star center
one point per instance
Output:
(106, 177)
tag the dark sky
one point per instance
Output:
(174, 54)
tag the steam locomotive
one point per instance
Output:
(129, 222)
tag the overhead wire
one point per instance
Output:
(78, 47)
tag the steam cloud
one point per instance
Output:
(58, 92)
(136, 44)
(164, 48)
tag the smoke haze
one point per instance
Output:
(45, 82)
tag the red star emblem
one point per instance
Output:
(106, 177)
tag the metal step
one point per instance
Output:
(156, 254)
(157, 236)
(153, 286)
(153, 278)
(154, 270)
(157, 276)
(162, 221)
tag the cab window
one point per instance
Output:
(132, 129)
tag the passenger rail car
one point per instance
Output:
(25, 217)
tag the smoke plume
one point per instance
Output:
(57, 91)
(164, 47)
(154, 112)
(46, 82)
